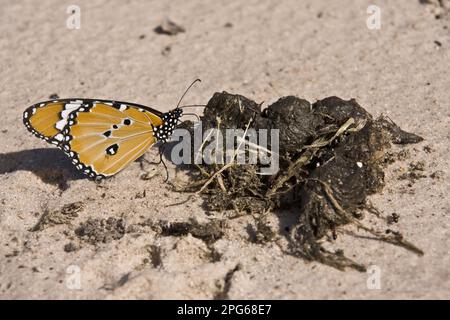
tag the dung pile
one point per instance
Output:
(332, 155)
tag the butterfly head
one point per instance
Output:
(169, 122)
(177, 112)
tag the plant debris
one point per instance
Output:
(439, 8)
(62, 216)
(96, 231)
(393, 218)
(332, 155)
(170, 28)
(224, 288)
(166, 51)
(208, 232)
(414, 172)
(119, 283)
(155, 256)
(70, 247)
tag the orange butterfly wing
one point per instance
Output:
(41, 119)
(101, 137)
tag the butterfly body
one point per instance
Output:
(100, 136)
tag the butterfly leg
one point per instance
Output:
(161, 160)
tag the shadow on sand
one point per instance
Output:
(51, 165)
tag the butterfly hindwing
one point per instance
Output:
(100, 136)
(103, 138)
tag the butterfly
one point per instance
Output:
(101, 137)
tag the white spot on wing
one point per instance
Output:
(68, 108)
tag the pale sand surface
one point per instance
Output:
(312, 49)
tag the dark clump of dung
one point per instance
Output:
(331, 157)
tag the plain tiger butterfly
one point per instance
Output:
(101, 137)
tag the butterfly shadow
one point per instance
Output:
(50, 165)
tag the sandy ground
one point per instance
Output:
(263, 50)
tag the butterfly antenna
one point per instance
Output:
(195, 81)
(193, 106)
(192, 114)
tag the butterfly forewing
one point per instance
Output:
(46, 119)
(100, 136)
